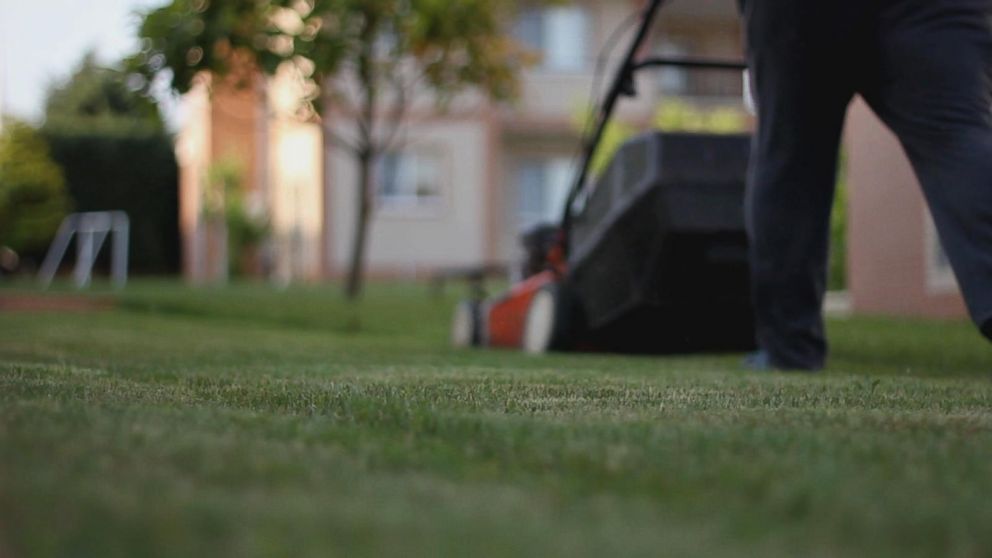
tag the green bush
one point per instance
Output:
(680, 115)
(33, 198)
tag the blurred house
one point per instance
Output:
(469, 179)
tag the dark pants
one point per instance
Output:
(923, 66)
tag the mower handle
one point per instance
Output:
(623, 84)
(693, 63)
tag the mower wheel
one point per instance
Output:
(466, 329)
(547, 324)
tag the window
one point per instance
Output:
(542, 186)
(672, 80)
(409, 180)
(559, 34)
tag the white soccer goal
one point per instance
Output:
(91, 230)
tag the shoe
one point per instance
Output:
(986, 329)
(758, 361)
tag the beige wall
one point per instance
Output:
(414, 241)
(890, 268)
(296, 214)
(295, 184)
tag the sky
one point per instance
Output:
(41, 41)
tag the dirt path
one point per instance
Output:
(53, 303)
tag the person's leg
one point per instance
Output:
(793, 49)
(932, 88)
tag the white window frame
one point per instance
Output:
(555, 24)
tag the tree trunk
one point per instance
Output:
(356, 271)
(366, 156)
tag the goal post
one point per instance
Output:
(90, 230)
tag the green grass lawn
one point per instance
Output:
(252, 422)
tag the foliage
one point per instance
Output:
(111, 141)
(186, 37)
(33, 197)
(677, 115)
(224, 177)
(99, 100)
(837, 270)
(453, 44)
(261, 428)
(225, 198)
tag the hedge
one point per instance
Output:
(131, 172)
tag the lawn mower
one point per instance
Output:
(649, 257)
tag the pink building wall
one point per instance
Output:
(889, 260)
